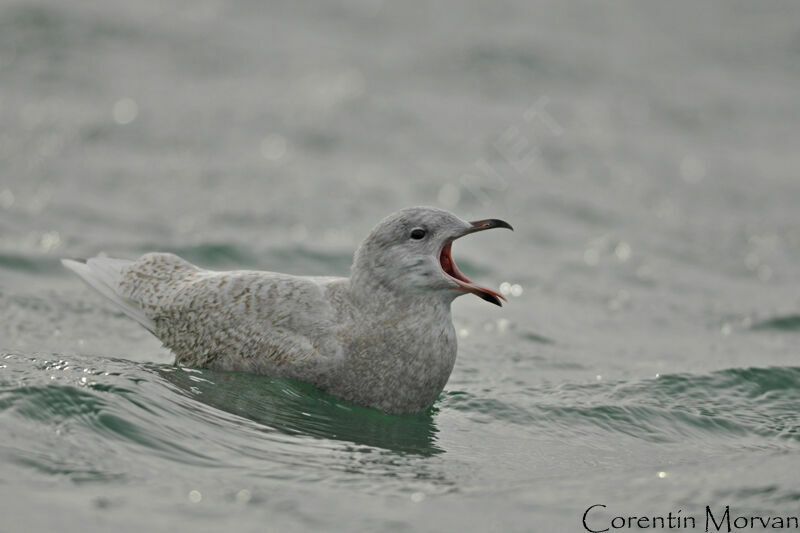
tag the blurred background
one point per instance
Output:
(646, 154)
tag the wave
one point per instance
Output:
(740, 406)
(68, 416)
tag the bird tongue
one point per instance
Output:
(450, 268)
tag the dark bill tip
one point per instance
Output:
(490, 223)
(491, 298)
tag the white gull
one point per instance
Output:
(383, 337)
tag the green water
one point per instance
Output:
(646, 360)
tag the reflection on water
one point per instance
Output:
(297, 408)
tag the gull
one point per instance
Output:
(382, 337)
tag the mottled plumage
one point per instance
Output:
(382, 337)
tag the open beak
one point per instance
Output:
(451, 270)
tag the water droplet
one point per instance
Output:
(463, 333)
(243, 496)
(662, 475)
(726, 329)
(417, 497)
(125, 111)
(50, 241)
(623, 251)
(515, 290)
(503, 324)
(505, 288)
(195, 496)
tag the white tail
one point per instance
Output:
(103, 274)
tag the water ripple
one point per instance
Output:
(754, 406)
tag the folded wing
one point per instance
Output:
(254, 321)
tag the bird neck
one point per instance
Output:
(381, 298)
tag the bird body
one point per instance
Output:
(383, 337)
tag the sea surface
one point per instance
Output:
(647, 358)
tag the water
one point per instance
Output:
(647, 358)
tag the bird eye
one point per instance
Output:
(418, 233)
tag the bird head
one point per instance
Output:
(411, 251)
